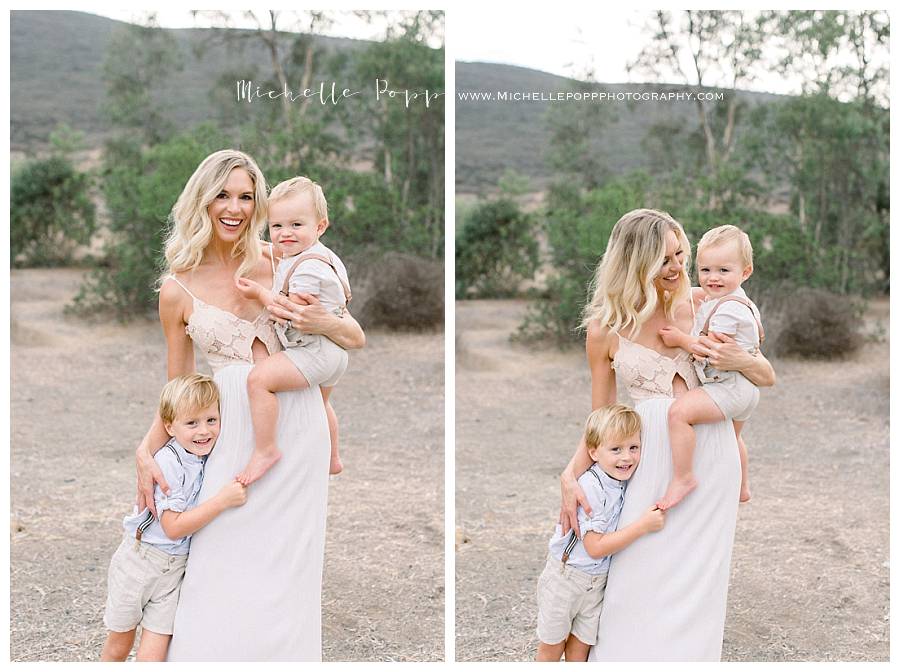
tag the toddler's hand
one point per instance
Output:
(248, 288)
(671, 336)
(654, 520)
(233, 494)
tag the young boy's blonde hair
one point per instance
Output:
(299, 185)
(609, 424)
(729, 234)
(185, 394)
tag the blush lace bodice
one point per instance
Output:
(223, 337)
(647, 374)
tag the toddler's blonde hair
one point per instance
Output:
(722, 235)
(186, 394)
(609, 424)
(299, 185)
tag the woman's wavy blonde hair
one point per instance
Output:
(191, 229)
(623, 291)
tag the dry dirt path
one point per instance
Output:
(82, 396)
(810, 566)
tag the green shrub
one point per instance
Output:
(495, 250)
(140, 187)
(51, 212)
(578, 224)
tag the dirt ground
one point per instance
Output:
(810, 567)
(82, 396)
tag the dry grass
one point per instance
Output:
(810, 565)
(82, 395)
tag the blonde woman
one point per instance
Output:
(253, 584)
(665, 596)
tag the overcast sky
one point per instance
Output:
(569, 42)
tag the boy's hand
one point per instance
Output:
(233, 494)
(248, 288)
(653, 520)
(671, 336)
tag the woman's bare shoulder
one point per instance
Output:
(600, 340)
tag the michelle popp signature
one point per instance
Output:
(330, 94)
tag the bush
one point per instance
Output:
(809, 323)
(578, 224)
(397, 291)
(495, 250)
(140, 187)
(51, 212)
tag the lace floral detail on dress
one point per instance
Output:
(647, 374)
(227, 339)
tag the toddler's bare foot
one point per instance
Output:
(258, 465)
(678, 489)
(745, 493)
(336, 466)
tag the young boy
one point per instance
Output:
(570, 590)
(146, 570)
(724, 261)
(298, 216)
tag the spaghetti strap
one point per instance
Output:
(272, 258)
(181, 284)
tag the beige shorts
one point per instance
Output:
(735, 396)
(569, 601)
(144, 584)
(321, 362)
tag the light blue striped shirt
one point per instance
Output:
(606, 496)
(183, 472)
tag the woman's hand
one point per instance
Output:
(723, 352)
(311, 318)
(315, 319)
(148, 473)
(572, 497)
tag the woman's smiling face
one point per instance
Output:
(670, 273)
(232, 209)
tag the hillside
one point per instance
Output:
(56, 74)
(492, 136)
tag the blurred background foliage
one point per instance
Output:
(806, 176)
(169, 99)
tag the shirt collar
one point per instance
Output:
(739, 292)
(186, 457)
(609, 483)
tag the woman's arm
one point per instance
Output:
(725, 354)
(603, 393)
(179, 360)
(314, 319)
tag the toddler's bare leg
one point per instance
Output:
(336, 466)
(576, 650)
(692, 408)
(153, 647)
(550, 653)
(117, 647)
(274, 374)
(745, 467)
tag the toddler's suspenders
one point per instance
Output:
(307, 257)
(573, 538)
(148, 519)
(705, 330)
